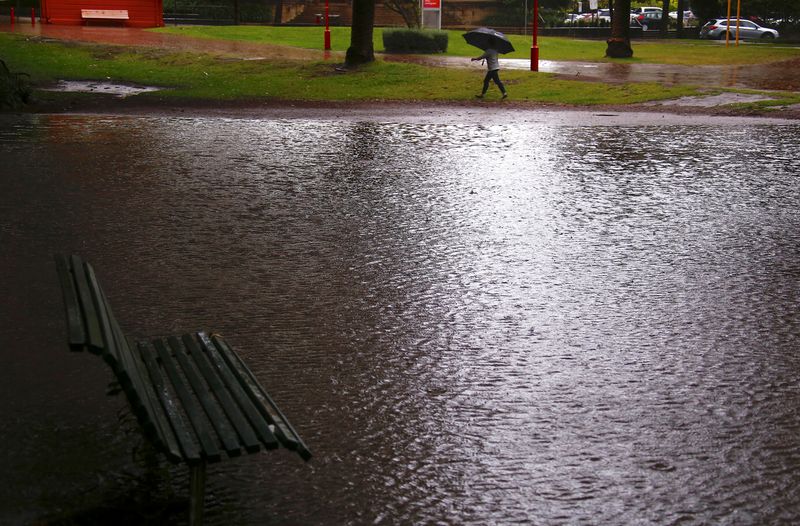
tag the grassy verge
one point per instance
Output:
(198, 76)
(681, 52)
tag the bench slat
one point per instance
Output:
(193, 410)
(190, 450)
(284, 430)
(230, 443)
(257, 420)
(109, 349)
(151, 408)
(246, 433)
(76, 331)
(94, 338)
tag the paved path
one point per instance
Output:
(775, 76)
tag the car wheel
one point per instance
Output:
(767, 36)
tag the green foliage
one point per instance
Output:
(15, 90)
(414, 41)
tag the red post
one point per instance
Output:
(33, 16)
(327, 28)
(535, 42)
(12, 16)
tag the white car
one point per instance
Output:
(642, 10)
(687, 15)
(689, 19)
(718, 27)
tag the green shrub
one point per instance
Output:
(414, 41)
(14, 88)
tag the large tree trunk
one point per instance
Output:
(361, 50)
(679, 22)
(619, 45)
(664, 28)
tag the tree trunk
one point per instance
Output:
(679, 22)
(664, 19)
(619, 45)
(361, 50)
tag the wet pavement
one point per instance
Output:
(470, 320)
(777, 76)
(783, 76)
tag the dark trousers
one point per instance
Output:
(495, 76)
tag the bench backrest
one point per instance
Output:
(110, 14)
(192, 394)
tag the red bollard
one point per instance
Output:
(33, 16)
(12, 16)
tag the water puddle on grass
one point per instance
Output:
(109, 88)
(709, 101)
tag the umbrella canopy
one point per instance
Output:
(485, 38)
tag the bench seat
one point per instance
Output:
(192, 395)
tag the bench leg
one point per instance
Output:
(197, 475)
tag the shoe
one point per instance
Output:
(478, 96)
(505, 95)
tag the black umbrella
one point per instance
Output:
(485, 38)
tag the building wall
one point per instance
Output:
(141, 13)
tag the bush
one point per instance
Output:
(414, 41)
(14, 88)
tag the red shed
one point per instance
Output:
(129, 13)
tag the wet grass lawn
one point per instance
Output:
(680, 52)
(200, 76)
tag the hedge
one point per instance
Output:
(414, 41)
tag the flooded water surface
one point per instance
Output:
(520, 322)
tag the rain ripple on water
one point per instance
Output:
(469, 323)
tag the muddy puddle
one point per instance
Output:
(101, 87)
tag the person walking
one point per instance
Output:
(493, 69)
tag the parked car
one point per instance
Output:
(641, 10)
(687, 15)
(604, 15)
(689, 19)
(649, 20)
(748, 30)
(574, 18)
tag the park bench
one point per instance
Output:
(192, 395)
(104, 14)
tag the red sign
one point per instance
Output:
(431, 4)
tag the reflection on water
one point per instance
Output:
(469, 324)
